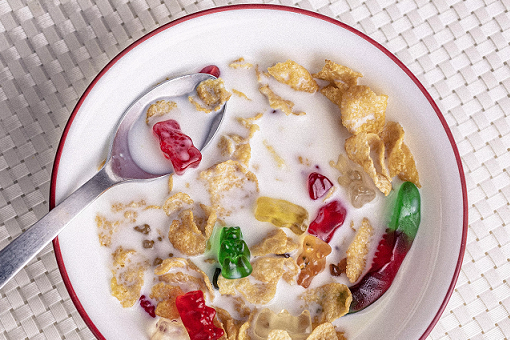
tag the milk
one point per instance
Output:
(305, 144)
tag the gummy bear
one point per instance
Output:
(197, 317)
(312, 259)
(391, 250)
(318, 185)
(330, 217)
(234, 254)
(298, 327)
(212, 70)
(282, 213)
(177, 146)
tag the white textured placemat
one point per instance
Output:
(51, 50)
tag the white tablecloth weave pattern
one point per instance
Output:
(51, 50)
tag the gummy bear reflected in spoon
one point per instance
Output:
(119, 167)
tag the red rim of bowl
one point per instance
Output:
(54, 174)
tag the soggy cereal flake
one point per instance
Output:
(278, 103)
(342, 76)
(229, 180)
(359, 149)
(333, 93)
(160, 108)
(212, 94)
(260, 286)
(277, 158)
(176, 202)
(400, 159)
(333, 298)
(106, 229)
(276, 242)
(358, 250)
(240, 63)
(294, 75)
(188, 234)
(362, 110)
(127, 276)
(170, 183)
(236, 147)
(118, 207)
(181, 271)
(229, 325)
(250, 125)
(325, 331)
(165, 295)
(240, 94)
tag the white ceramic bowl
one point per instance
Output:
(419, 294)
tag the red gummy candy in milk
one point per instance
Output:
(177, 146)
(329, 218)
(212, 70)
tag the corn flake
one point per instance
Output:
(294, 75)
(176, 202)
(189, 235)
(359, 150)
(179, 271)
(267, 271)
(240, 63)
(165, 295)
(400, 159)
(212, 94)
(127, 276)
(326, 331)
(159, 108)
(278, 103)
(362, 110)
(342, 76)
(226, 179)
(333, 298)
(276, 242)
(358, 250)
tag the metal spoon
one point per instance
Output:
(118, 168)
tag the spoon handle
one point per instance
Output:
(27, 245)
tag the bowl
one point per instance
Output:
(269, 34)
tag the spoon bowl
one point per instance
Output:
(118, 168)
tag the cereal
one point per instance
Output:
(176, 202)
(180, 271)
(165, 295)
(276, 242)
(267, 271)
(400, 159)
(325, 331)
(277, 158)
(188, 235)
(240, 94)
(342, 76)
(240, 63)
(128, 271)
(278, 103)
(333, 298)
(212, 94)
(358, 250)
(362, 110)
(227, 179)
(359, 150)
(159, 108)
(294, 75)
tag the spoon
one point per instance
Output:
(118, 168)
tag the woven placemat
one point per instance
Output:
(51, 50)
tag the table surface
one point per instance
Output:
(51, 50)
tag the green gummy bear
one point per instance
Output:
(234, 254)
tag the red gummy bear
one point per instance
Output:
(318, 185)
(197, 317)
(330, 217)
(177, 146)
